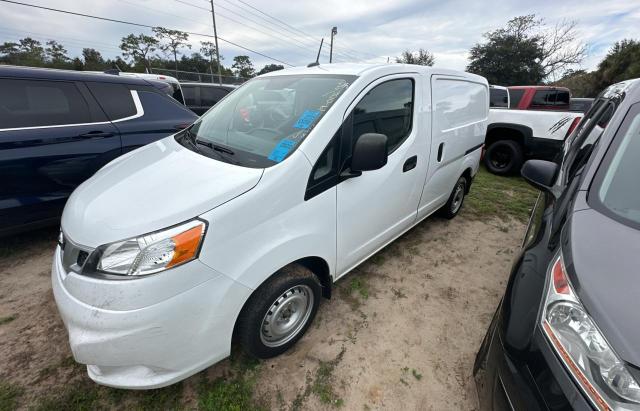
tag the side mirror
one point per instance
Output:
(369, 153)
(540, 174)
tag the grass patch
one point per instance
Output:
(416, 374)
(234, 393)
(7, 319)
(500, 196)
(80, 396)
(322, 385)
(9, 396)
(359, 286)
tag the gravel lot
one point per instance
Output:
(401, 331)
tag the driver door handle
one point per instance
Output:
(410, 164)
(96, 134)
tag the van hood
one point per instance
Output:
(603, 268)
(156, 186)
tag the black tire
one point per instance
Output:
(504, 157)
(288, 286)
(454, 203)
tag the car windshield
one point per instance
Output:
(265, 120)
(618, 191)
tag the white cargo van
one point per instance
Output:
(241, 224)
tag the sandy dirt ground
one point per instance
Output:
(401, 331)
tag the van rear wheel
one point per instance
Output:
(456, 198)
(279, 312)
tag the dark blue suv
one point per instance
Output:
(59, 127)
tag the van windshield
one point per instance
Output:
(265, 120)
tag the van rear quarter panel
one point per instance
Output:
(277, 226)
(459, 113)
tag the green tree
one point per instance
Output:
(93, 60)
(622, 62)
(171, 41)
(138, 48)
(243, 67)
(510, 56)
(208, 49)
(421, 57)
(526, 51)
(56, 54)
(270, 67)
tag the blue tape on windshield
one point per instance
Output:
(306, 119)
(281, 150)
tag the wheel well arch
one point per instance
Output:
(317, 265)
(505, 131)
(468, 176)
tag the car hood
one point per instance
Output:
(156, 186)
(605, 256)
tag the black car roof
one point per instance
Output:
(68, 75)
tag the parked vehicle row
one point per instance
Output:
(200, 97)
(565, 335)
(239, 225)
(59, 127)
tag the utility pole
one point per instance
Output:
(334, 31)
(215, 35)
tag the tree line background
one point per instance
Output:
(526, 51)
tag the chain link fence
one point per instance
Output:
(193, 76)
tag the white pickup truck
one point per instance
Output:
(517, 134)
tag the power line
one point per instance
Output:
(293, 28)
(193, 20)
(279, 35)
(138, 25)
(289, 31)
(278, 28)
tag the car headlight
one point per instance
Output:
(589, 358)
(152, 253)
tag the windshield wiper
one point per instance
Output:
(215, 147)
(221, 151)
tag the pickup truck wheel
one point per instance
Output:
(279, 312)
(504, 157)
(454, 204)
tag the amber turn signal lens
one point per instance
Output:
(186, 245)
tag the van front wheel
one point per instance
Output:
(456, 198)
(279, 312)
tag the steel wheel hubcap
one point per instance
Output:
(287, 316)
(458, 196)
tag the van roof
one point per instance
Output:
(353, 69)
(69, 75)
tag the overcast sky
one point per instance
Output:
(368, 30)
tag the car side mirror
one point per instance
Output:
(540, 174)
(369, 153)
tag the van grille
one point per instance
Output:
(73, 256)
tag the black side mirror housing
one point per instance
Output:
(369, 153)
(540, 174)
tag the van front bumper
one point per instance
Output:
(125, 345)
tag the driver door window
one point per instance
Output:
(386, 109)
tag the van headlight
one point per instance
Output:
(151, 253)
(584, 350)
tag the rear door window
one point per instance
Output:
(189, 93)
(516, 96)
(544, 98)
(209, 96)
(498, 98)
(563, 98)
(37, 103)
(160, 107)
(116, 99)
